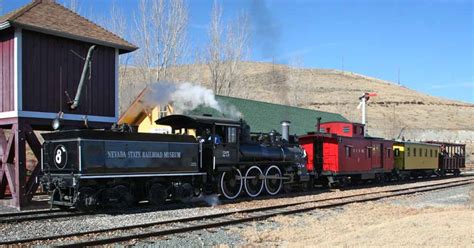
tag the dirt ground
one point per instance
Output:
(370, 225)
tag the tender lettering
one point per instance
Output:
(142, 155)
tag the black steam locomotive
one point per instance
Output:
(203, 155)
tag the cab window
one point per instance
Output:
(231, 135)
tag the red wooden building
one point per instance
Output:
(42, 51)
(340, 151)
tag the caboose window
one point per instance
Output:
(388, 152)
(346, 129)
(348, 151)
(369, 152)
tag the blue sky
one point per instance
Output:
(431, 42)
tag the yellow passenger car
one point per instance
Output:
(411, 156)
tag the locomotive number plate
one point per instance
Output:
(60, 156)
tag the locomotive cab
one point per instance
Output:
(218, 138)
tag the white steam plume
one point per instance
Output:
(186, 97)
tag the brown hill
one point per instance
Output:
(423, 117)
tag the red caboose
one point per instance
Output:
(340, 153)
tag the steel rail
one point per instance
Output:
(43, 216)
(261, 215)
(213, 216)
(16, 214)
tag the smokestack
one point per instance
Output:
(318, 124)
(285, 130)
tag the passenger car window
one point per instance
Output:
(408, 152)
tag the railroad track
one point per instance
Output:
(58, 213)
(182, 225)
(36, 215)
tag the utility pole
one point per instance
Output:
(398, 75)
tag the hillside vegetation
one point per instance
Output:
(395, 107)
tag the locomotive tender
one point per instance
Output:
(116, 168)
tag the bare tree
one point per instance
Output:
(73, 5)
(161, 35)
(116, 22)
(226, 50)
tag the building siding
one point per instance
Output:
(6, 65)
(52, 66)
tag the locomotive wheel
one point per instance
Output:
(125, 197)
(117, 197)
(86, 199)
(157, 194)
(230, 183)
(273, 185)
(253, 183)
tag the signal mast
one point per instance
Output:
(362, 105)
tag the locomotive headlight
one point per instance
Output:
(57, 121)
(56, 124)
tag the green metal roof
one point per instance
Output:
(263, 116)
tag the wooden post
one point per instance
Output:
(3, 176)
(13, 170)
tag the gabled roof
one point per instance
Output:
(264, 116)
(47, 16)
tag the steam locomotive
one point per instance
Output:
(117, 168)
(114, 168)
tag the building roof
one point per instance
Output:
(49, 17)
(263, 116)
(135, 113)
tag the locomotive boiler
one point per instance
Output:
(203, 154)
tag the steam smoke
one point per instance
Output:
(186, 97)
(267, 31)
